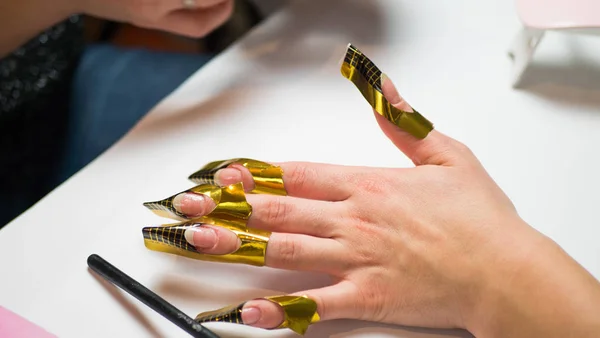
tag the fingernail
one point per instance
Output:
(227, 176)
(391, 94)
(251, 315)
(201, 237)
(383, 77)
(189, 203)
(393, 97)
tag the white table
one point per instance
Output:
(278, 95)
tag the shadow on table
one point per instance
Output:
(353, 328)
(227, 101)
(191, 289)
(302, 44)
(575, 81)
(349, 328)
(133, 309)
(311, 36)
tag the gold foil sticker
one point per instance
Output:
(231, 208)
(170, 239)
(299, 313)
(359, 69)
(268, 179)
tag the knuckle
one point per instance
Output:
(372, 185)
(287, 251)
(371, 299)
(299, 175)
(433, 153)
(364, 240)
(276, 211)
(462, 148)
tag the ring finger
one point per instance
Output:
(275, 213)
(286, 251)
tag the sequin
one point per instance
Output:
(34, 71)
(34, 113)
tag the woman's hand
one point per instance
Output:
(438, 245)
(194, 18)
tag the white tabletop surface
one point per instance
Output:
(278, 95)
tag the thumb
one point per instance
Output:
(435, 149)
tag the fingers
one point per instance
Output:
(193, 205)
(335, 301)
(332, 302)
(274, 213)
(295, 215)
(262, 313)
(296, 313)
(305, 253)
(435, 149)
(301, 179)
(197, 22)
(284, 251)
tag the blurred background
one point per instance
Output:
(247, 14)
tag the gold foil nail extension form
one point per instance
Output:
(359, 69)
(171, 239)
(230, 205)
(299, 313)
(232, 212)
(268, 179)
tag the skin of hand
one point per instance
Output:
(438, 245)
(167, 15)
(22, 20)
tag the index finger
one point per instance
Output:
(308, 180)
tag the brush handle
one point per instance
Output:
(144, 295)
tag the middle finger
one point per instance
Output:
(294, 215)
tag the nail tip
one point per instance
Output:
(189, 236)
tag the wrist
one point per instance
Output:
(537, 291)
(504, 277)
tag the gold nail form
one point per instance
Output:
(361, 71)
(268, 179)
(232, 212)
(170, 238)
(299, 313)
(230, 205)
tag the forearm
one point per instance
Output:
(22, 20)
(549, 295)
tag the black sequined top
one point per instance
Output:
(34, 100)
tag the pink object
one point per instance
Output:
(15, 326)
(539, 16)
(559, 14)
